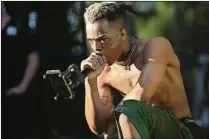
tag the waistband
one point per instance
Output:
(187, 120)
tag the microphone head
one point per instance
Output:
(100, 59)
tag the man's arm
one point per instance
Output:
(98, 106)
(157, 54)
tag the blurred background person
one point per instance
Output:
(20, 61)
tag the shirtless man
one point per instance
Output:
(145, 71)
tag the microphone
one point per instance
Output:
(87, 69)
(64, 82)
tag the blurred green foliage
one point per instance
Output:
(185, 24)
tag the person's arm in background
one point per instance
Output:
(5, 17)
(32, 66)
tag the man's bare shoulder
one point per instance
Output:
(158, 48)
(160, 42)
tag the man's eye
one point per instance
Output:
(90, 40)
(103, 40)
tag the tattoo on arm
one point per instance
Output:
(104, 100)
(94, 87)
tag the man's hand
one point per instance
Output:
(18, 90)
(97, 67)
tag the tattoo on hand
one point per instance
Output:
(104, 100)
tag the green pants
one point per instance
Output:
(150, 122)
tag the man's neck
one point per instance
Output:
(126, 50)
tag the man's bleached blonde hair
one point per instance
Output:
(110, 11)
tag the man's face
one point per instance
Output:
(105, 38)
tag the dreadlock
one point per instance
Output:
(109, 11)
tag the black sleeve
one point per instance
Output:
(32, 44)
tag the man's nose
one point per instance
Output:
(97, 46)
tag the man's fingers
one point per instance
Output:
(92, 64)
(104, 59)
(94, 61)
(94, 56)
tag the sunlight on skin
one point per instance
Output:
(150, 59)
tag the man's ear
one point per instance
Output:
(124, 34)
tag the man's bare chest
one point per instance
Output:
(124, 80)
